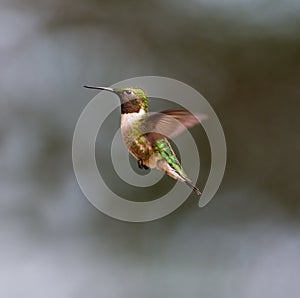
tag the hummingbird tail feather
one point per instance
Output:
(193, 187)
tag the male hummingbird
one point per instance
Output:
(146, 134)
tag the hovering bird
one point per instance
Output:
(146, 134)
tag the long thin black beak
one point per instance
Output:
(100, 88)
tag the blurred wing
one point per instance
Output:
(171, 123)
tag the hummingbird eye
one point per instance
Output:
(128, 92)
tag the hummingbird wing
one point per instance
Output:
(171, 123)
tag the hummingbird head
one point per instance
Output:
(132, 99)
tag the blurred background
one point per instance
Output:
(243, 56)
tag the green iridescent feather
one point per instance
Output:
(163, 147)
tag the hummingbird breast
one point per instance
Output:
(137, 143)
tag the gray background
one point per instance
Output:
(243, 56)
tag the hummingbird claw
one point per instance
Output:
(141, 165)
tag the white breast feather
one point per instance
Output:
(128, 119)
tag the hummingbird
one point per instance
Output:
(146, 135)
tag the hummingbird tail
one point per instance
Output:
(193, 187)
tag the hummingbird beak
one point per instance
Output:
(100, 88)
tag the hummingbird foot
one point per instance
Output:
(141, 165)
